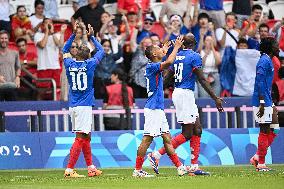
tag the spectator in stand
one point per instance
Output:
(21, 25)
(202, 27)
(76, 4)
(250, 26)
(37, 18)
(104, 69)
(105, 18)
(155, 39)
(242, 9)
(174, 7)
(10, 69)
(138, 65)
(126, 6)
(117, 41)
(118, 96)
(215, 10)
(245, 61)
(228, 35)
(175, 28)
(4, 16)
(134, 19)
(28, 59)
(278, 31)
(254, 41)
(211, 60)
(145, 31)
(90, 14)
(48, 43)
(51, 9)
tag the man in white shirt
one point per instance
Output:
(228, 35)
(48, 44)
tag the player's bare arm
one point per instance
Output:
(208, 89)
(172, 56)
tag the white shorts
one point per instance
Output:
(186, 109)
(267, 116)
(156, 122)
(81, 118)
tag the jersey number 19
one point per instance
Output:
(178, 72)
(79, 81)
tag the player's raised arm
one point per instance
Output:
(208, 89)
(68, 44)
(99, 48)
(172, 56)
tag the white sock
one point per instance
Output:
(69, 170)
(261, 165)
(91, 167)
(157, 155)
(195, 166)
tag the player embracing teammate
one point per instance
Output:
(155, 119)
(186, 69)
(80, 72)
(265, 113)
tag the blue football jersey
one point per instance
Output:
(80, 76)
(186, 61)
(154, 84)
(264, 72)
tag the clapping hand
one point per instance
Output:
(91, 30)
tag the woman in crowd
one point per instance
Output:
(211, 59)
(118, 96)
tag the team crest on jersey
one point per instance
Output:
(180, 57)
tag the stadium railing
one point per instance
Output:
(45, 120)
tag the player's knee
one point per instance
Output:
(265, 128)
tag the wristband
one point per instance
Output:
(262, 102)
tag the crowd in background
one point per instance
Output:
(228, 44)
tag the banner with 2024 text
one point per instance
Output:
(118, 149)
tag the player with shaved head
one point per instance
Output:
(186, 69)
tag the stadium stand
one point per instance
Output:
(65, 12)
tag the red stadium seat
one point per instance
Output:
(13, 46)
(158, 29)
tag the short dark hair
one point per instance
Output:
(21, 40)
(189, 41)
(266, 45)
(149, 52)
(263, 25)
(203, 15)
(256, 7)
(154, 34)
(231, 14)
(243, 40)
(38, 2)
(21, 6)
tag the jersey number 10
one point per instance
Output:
(77, 83)
(178, 72)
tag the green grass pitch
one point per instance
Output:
(239, 177)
